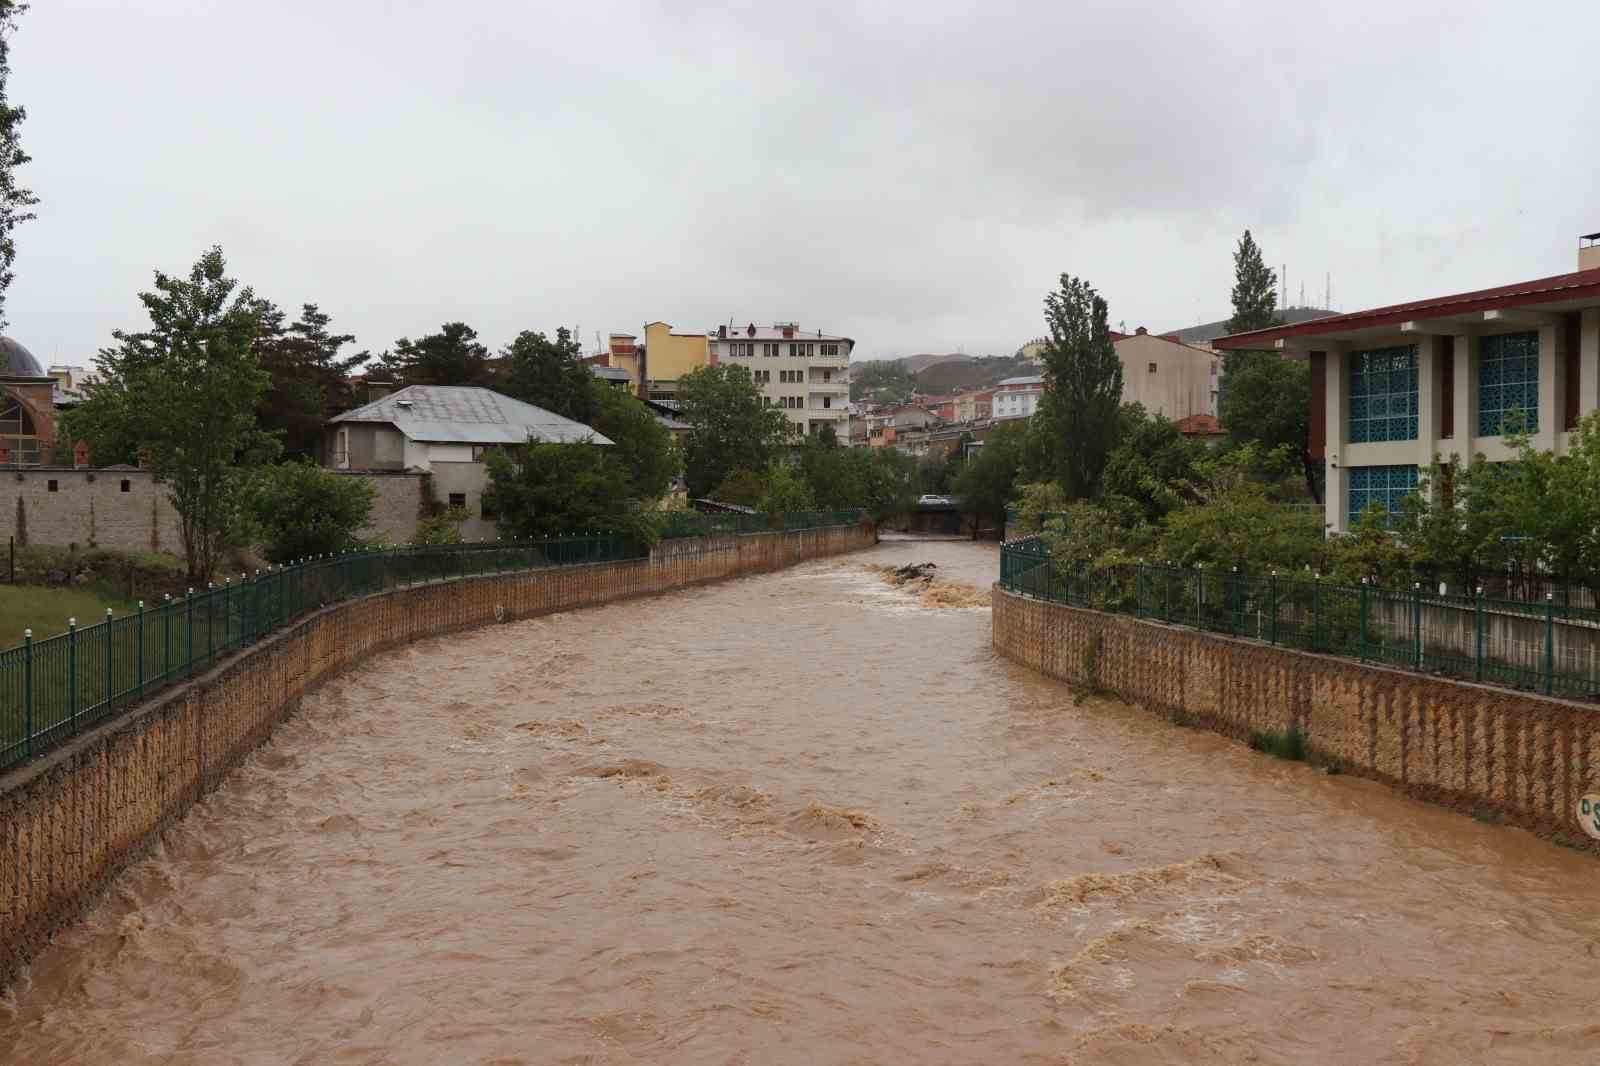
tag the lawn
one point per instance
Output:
(46, 610)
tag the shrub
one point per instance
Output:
(302, 509)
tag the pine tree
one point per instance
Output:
(1077, 423)
(14, 201)
(1255, 289)
(547, 373)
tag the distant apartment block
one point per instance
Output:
(1017, 397)
(1396, 386)
(804, 374)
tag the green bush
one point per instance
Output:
(302, 509)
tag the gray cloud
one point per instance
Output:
(915, 175)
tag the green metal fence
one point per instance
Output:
(1543, 647)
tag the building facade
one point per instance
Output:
(1395, 387)
(1017, 397)
(805, 374)
(974, 406)
(668, 355)
(1167, 377)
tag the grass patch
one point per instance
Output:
(1488, 816)
(1290, 745)
(46, 610)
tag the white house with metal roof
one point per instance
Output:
(445, 430)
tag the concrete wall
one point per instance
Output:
(1182, 384)
(70, 821)
(1526, 758)
(130, 510)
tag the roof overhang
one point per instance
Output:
(1527, 305)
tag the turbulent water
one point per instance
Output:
(807, 817)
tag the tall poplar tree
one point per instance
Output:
(14, 200)
(1255, 289)
(1078, 417)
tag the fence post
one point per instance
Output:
(1416, 626)
(166, 636)
(188, 611)
(27, 692)
(140, 642)
(1316, 608)
(1477, 672)
(72, 674)
(106, 694)
(1363, 648)
(1272, 599)
(1549, 643)
(1138, 590)
(1200, 596)
(211, 622)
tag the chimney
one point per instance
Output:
(1589, 251)
(377, 390)
(722, 333)
(750, 331)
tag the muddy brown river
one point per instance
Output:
(804, 818)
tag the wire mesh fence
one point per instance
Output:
(1543, 647)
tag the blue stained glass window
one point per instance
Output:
(1383, 394)
(1508, 380)
(1387, 485)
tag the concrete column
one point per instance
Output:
(1336, 493)
(1428, 400)
(1589, 366)
(1466, 397)
(1552, 387)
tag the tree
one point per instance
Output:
(302, 509)
(988, 484)
(184, 393)
(642, 445)
(15, 201)
(309, 377)
(452, 356)
(547, 373)
(730, 423)
(1255, 289)
(1078, 415)
(1268, 401)
(786, 493)
(1152, 464)
(1236, 521)
(547, 490)
(741, 487)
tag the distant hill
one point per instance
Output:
(966, 374)
(916, 363)
(1210, 331)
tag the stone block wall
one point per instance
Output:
(1528, 759)
(71, 820)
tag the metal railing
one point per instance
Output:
(1542, 647)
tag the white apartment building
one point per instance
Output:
(1017, 397)
(806, 374)
(1395, 387)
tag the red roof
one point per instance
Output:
(1581, 284)
(1200, 426)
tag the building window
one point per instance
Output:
(827, 401)
(830, 349)
(458, 499)
(1508, 381)
(341, 449)
(1386, 485)
(486, 509)
(1152, 368)
(127, 486)
(769, 350)
(1383, 394)
(52, 486)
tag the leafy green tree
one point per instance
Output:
(642, 445)
(1236, 522)
(786, 492)
(936, 473)
(1153, 464)
(1092, 536)
(452, 356)
(302, 509)
(184, 393)
(547, 373)
(886, 381)
(988, 483)
(1255, 289)
(15, 201)
(1077, 421)
(546, 490)
(1268, 400)
(742, 487)
(731, 426)
(309, 377)
(442, 527)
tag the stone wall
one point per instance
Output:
(1527, 759)
(129, 510)
(71, 820)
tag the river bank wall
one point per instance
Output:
(1501, 755)
(71, 820)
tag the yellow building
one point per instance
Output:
(668, 355)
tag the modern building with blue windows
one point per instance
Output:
(1394, 387)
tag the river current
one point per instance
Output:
(805, 817)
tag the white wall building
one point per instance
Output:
(1395, 387)
(1017, 397)
(806, 374)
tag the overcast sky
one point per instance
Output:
(913, 174)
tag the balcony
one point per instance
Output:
(828, 388)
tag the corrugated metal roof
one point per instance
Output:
(466, 415)
(609, 373)
(1021, 382)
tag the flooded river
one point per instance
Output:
(804, 818)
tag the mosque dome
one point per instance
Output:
(17, 362)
